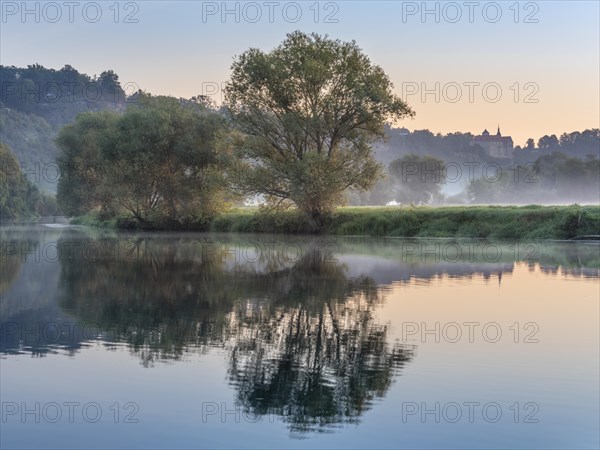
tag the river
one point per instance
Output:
(168, 340)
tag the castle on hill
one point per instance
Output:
(496, 146)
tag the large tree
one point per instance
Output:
(159, 162)
(309, 111)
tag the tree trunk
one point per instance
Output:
(315, 220)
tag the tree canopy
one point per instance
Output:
(309, 111)
(159, 162)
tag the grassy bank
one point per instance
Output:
(499, 222)
(494, 222)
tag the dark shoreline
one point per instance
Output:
(494, 222)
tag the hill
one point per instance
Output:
(36, 102)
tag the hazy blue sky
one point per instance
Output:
(180, 48)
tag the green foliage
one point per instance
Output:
(161, 163)
(526, 222)
(17, 195)
(19, 198)
(82, 162)
(309, 111)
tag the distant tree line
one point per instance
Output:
(38, 90)
(583, 145)
(400, 142)
(454, 147)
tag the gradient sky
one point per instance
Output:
(173, 50)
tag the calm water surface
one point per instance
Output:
(201, 340)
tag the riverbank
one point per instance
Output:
(493, 222)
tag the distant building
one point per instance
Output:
(497, 146)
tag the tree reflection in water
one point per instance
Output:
(315, 355)
(301, 336)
